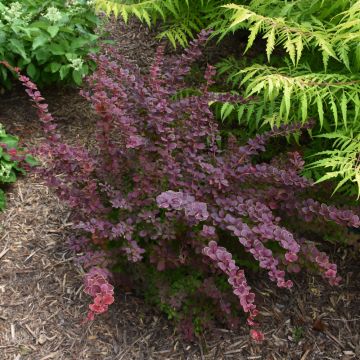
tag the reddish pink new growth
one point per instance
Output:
(97, 286)
(256, 335)
(236, 278)
(327, 269)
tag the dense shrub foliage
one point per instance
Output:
(188, 209)
(48, 39)
(14, 160)
(308, 65)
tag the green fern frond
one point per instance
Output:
(143, 10)
(183, 18)
(299, 91)
(336, 38)
(343, 162)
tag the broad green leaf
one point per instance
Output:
(77, 76)
(54, 67)
(10, 140)
(42, 55)
(31, 70)
(9, 178)
(17, 47)
(53, 30)
(57, 49)
(39, 41)
(64, 70)
(71, 56)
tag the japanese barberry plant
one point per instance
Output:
(49, 40)
(14, 160)
(301, 59)
(164, 192)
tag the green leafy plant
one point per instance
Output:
(343, 160)
(49, 39)
(13, 161)
(302, 85)
(182, 19)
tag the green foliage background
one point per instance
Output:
(9, 169)
(49, 40)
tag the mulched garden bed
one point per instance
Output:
(42, 306)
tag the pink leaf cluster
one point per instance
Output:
(98, 287)
(236, 277)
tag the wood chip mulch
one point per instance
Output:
(42, 306)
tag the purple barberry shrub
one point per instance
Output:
(159, 190)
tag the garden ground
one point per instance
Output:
(42, 306)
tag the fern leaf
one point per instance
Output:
(320, 110)
(290, 49)
(299, 48)
(334, 110)
(343, 106)
(254, 30)
(270, 44)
